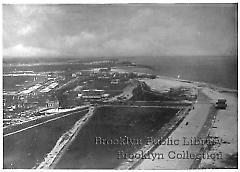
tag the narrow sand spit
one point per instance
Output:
(64, 142)
(195, 125)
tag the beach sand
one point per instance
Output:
(223, 124)
(224, 127)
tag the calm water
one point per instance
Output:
(221, 71)
(29, 147)
(112, 122)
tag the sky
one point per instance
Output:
(120, 30)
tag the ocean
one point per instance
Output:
(221, 71)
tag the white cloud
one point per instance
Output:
(21, 50)
(25, 30)
(110, 31)
(79, 40)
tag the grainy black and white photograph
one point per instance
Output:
(130, 86)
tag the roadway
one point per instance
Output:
(191, 127)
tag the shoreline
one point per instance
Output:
(61, 146)
(163, 134)
(212, 92)
(198, 83)
(201, 84)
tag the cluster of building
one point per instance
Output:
(65, 89)
(93, 94)
(26, 100)
(98, 84)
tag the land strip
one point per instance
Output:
(64, 142)
(190, 127)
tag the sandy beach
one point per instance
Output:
(223, 125)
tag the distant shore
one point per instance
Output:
(198, 83)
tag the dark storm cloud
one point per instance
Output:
(120, 30)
